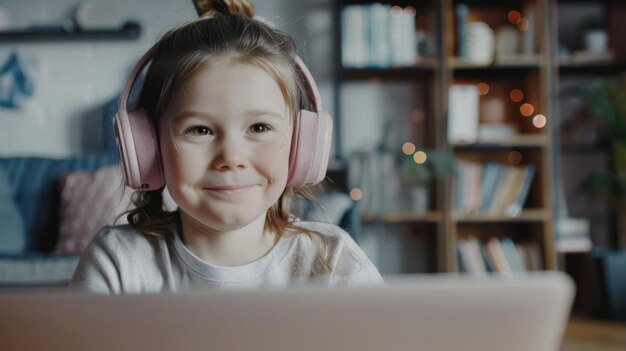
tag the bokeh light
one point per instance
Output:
(420, 157)
(396, 11)
(540, 121)
(411, 10)
(417, 116)
(526, 110)
(356, 194)
(514, 17)
(523, 24)
(483, 88)
(515, 157)
(408, 148)
(516, 95)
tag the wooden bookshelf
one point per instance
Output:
(532, 144)
(404, 217)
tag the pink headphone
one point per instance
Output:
(139, 148)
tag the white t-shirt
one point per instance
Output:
(122, 260)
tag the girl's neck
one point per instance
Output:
(227, 248)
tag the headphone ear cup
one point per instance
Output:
(139, 150)
(311, 150)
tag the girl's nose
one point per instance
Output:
(231, 154)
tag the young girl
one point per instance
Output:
(231, 105)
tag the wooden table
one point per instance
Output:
(594, 335)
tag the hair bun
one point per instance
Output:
(209, 8)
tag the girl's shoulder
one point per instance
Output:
(338, 239)
(331, 232)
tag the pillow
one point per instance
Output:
(12, 233)
(89, 201)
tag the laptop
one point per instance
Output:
(435, 313)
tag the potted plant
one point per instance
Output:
(607, 100)
(419, 169)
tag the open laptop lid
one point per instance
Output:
(412, 313)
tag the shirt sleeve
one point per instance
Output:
(97, 270)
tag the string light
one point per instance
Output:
(483, 88)
(408, 148)
(420, 157)
(514, 16)
(526, 110)
(515, 157)
(417, 116)
(523, 24)
(516, 95)
(356, 194)
(540, 121)
(396, 11)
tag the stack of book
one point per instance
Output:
(378, 36)
(573, 235)
(498, 256)
(491, 188)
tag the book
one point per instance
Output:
(515, 208)
(471, 257)
(533, 252)
(354, 36)
(461, 14)
(497, 205)
(491, 178)
(510, 251)
(380, 49)
(463, 107)
(498, 257)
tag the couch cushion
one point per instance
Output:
(89, 201)
(36, 269)
(34, 182)
(12, 237)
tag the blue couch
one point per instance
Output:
(33, 191)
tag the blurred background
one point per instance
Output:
(479, 136)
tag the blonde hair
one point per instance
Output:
(226, 32)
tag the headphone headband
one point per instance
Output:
(311, 87)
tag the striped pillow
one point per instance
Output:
(89, 201)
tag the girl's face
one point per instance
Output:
(226, 159)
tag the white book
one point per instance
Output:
(463, 107)
(409, 37)
(395, 35)
(380, 48)
(355, 42)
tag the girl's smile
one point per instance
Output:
(229, 191)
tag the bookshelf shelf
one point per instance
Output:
(518, 141)
(130, 31)
(404, 217)
(583, 148)
(532, 62)
(392, 73)
(597, 67)
(528, 215)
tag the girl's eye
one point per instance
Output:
(198, 130)
(259, 128)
